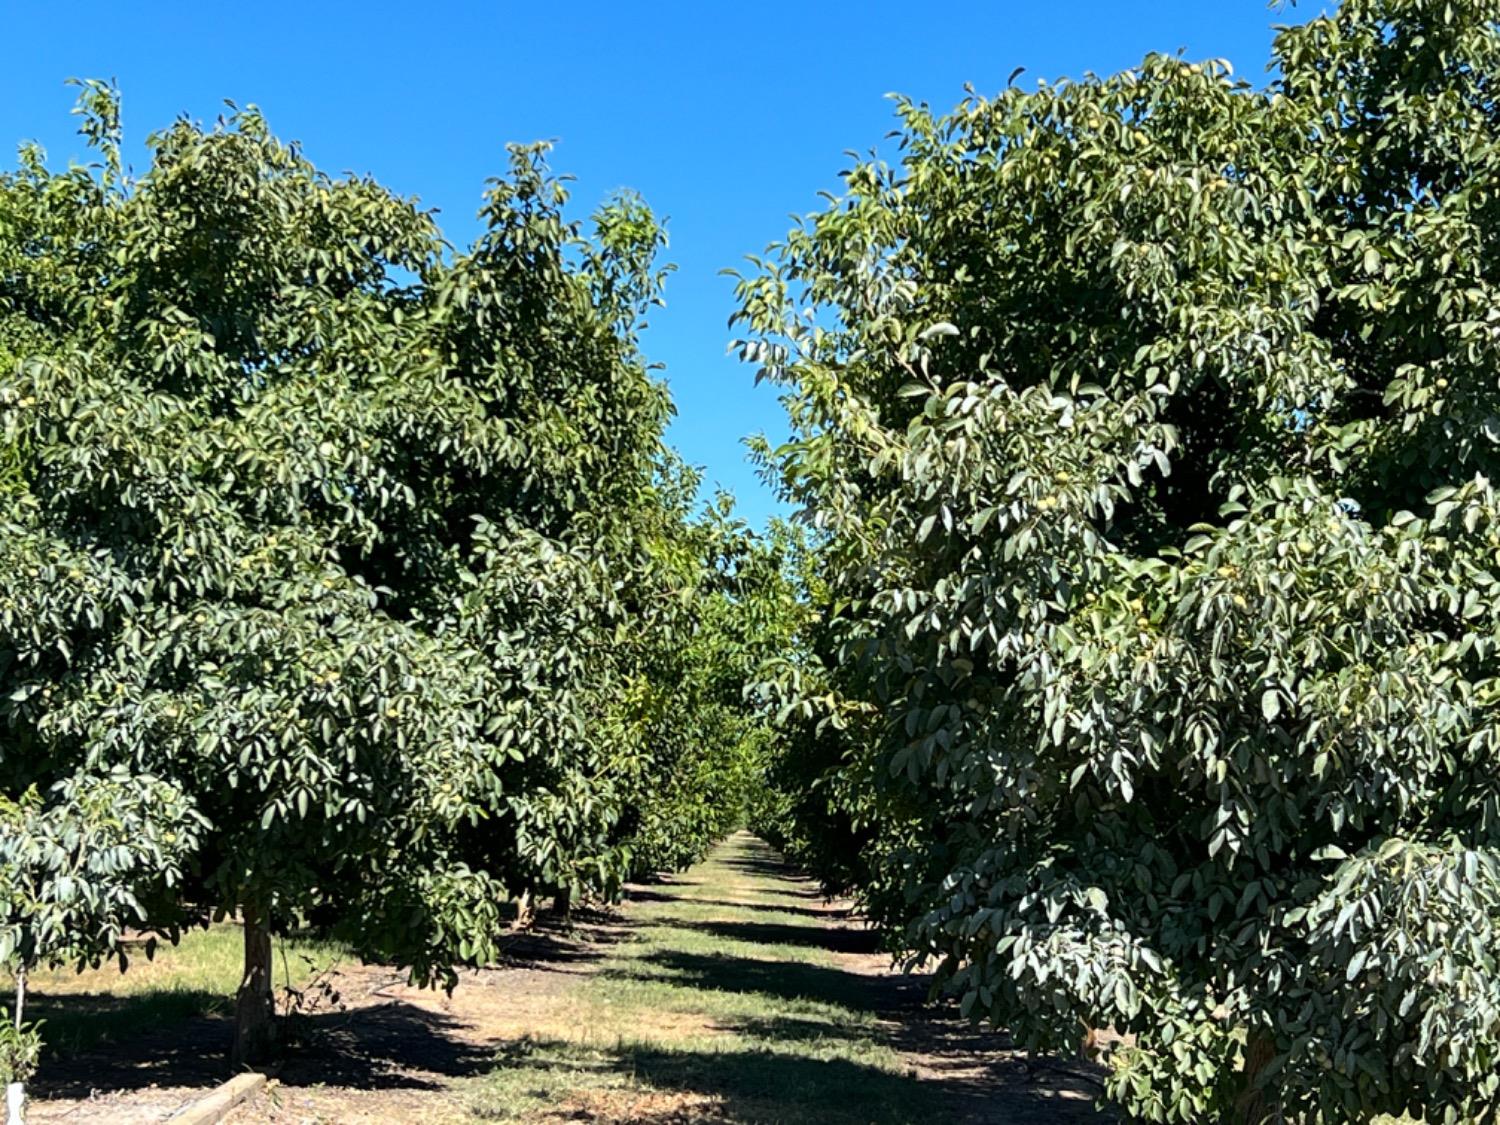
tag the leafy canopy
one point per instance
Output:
(1148, 426)
(347, 546)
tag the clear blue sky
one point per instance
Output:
(726, 117)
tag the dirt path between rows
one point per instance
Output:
(731, 993)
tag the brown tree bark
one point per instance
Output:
(254, 1004)
(1089, 1048)
(1256, 1105)
(562, 903)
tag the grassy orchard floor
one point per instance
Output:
(731, 993)
(94, 1009)
(740, 996)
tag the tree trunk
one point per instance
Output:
(254, 1005)
(562, 903)
(15, 1091)
(525, 911)
(1256, 1106)
(1089, 1048)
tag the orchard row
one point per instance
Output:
(1132, 657)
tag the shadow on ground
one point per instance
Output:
(554, 943)
(394, 1045)
(722, 972)
(961, 1072)
(637, 894)
(99, 1042)
(102, 1042)
(842, 939)
(965, 1074)
(742, 1086)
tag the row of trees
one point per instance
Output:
(1137, 667)
(345, 579)
(1147, 427)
